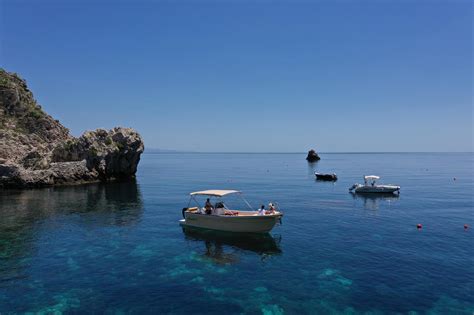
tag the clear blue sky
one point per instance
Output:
(252, 75)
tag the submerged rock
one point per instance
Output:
(36, 150)
(312, 156)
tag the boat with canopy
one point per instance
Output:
(223, 218)
(370, 186)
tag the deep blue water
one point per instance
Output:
(118, 248)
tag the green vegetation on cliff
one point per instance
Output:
(24, 126)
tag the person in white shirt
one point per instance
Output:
(261, 211)
(219, 208)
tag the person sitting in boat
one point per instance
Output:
(219, 208)
(261, 211)
(208, 206)
(271, 209)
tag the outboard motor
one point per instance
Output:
(183, 211)
(353, 187)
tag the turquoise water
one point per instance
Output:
(118, 248)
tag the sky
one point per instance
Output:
(252, 76)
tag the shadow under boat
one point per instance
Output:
(372, 201)
(264, 245)
(375, 196)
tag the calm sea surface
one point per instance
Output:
(118, 248)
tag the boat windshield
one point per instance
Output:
(371, 177)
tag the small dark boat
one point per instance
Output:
(328, 177)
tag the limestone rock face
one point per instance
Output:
(114, 154)
(27, 133)
(36, 150)
(312, 156)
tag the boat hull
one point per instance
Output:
(326, 177)
(240, 223)
(385, 189)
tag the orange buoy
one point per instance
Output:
(419, 226)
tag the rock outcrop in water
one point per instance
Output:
(312, 156)
(36, 150)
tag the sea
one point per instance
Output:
(118, 248)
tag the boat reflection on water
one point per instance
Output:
(373, 201)
(226, 247)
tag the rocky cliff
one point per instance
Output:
(36, 150)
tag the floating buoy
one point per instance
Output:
(466, 226)
(419, 226)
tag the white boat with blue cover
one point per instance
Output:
(370, 187)
(223, 218)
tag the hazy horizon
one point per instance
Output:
(171, 151)
(252, 76)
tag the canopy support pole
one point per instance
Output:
(192, 197)
(248, 204)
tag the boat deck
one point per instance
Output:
(234, 213)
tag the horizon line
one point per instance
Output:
(162, 151)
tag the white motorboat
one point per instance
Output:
(370, 186)
(220, 217)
